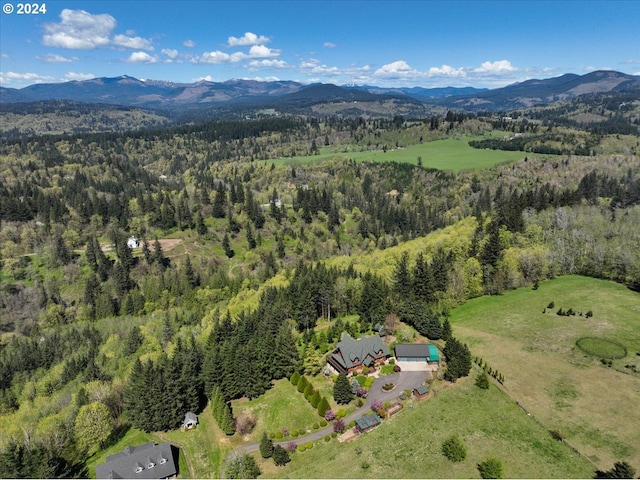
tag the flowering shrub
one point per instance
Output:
(291, 446)
(330, 415)
(338, 426)
(285, 432)
(362, 392)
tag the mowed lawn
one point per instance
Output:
(595, 407)
(449, 154)
(409, 444)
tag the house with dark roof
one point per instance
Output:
(417, 352)
(351, 354)
(146, 461)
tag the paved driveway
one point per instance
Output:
(402, 380)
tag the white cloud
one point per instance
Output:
(397, 69)
(78, 76)
(171, 53)
(217, 57)
(54, 58)
(329, 45)
(132, 42)
(214, 57)
(189, 43)
(313, 66)
(141, 57)
(30, 78)
(79, 29)
(264, 79)
(500, 66)
(268, 63)
(446, 71)
(247, 39)
(4, 55)
(260, 51)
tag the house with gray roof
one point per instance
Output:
(146, 461)
(351, 354)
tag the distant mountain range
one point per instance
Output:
(291, 96)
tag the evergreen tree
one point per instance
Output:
(402, 277)
(219, 201)
(280, 248)
(251, 241)
(342, 393)
(446, 329)
(167, 329)
(133, 341)
(280, 456)
(302, 383)
(266, 446)
(458, 359)
(228, 251)
(434, 328)
(482, 381)
(323, 406)
(423, 283)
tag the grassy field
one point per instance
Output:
(409, 444)
(449, 154)
(595, 407)
(281, 406)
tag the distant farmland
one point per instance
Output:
(449, 154)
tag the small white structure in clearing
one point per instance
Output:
(133, 242)
(190, 420)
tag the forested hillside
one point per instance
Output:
(240, 258)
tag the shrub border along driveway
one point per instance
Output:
(402, 381)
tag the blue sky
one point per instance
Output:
(387, 43)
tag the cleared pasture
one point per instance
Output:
(452, 154)
(593, 406)
(409, 444)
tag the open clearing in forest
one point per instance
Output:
(448, 154)
(593, 406)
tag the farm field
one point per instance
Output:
(409, 444)
(449, 154)
(593, 406)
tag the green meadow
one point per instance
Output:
(592, 404)
(452, 154)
